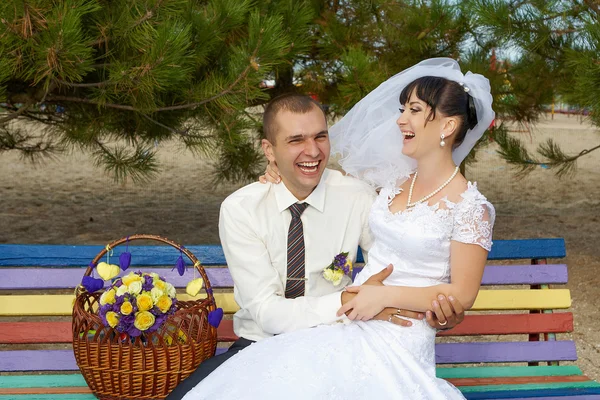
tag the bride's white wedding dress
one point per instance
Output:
(373, 359)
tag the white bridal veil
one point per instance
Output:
(370, 142)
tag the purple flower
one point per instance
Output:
(148, 283)
(134, 332)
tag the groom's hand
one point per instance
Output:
(446, 313)
(395, 316)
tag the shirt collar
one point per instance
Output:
(316, 199)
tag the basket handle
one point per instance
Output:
(179, 247)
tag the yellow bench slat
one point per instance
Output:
(522, 299)
(62, 304)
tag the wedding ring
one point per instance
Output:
(398, 311)
(445, 322)
(390, 318)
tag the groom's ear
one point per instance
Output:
(268, 150)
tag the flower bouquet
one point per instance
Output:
(134, 339)
(137, 303)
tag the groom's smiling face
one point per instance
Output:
(301, 149)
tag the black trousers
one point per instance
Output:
(206, 368)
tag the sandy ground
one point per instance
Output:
(69, 201)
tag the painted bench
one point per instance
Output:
(36, 292)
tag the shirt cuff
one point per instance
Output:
(331, 303)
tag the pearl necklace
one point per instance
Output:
(430, 195)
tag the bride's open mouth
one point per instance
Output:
(309, 167)
(408, 135)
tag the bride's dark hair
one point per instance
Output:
(447, 97)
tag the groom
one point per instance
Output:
(278, 238)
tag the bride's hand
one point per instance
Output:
(271, 174)
(368, 302)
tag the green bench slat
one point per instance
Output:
(494, 372)
(42, 381)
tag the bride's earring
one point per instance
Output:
(442, 143)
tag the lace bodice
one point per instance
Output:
(417, 241)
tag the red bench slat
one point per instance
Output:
(509, 324)
(60, 332)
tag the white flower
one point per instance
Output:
(122, 290)
(135, 287)
(171, 292)
(156, 293)
(333, 276)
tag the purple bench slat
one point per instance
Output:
(44, 360)
(525, 274)
(492, 352)
(56, 278)
(446, 353)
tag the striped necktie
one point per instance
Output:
(295, 254)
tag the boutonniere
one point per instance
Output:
(340, 266)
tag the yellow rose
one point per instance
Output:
(112, 318)
(159, 283)
(156, 294)
(143, 320)
(132, 277)
(338, 275)
(328, 274)
(144, 302)
(164, 303)
(122, 289)
(126, 308)
(108, 297)
(135, 287)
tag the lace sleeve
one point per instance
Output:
(474, 222)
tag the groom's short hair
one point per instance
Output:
(293, 102)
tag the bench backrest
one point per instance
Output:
(38, 281)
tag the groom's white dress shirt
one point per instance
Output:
(253, 227)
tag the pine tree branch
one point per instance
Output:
(593, 5)
(84, 85)
(227, 91)
(17, 113)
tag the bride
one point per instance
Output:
(407, 138)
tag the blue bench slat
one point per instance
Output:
(44, 360)
(527, 248)
(493, 352)
(20, 255)
(23, 255)
(69, 277)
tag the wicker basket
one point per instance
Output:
(116, 366)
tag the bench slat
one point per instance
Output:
(522, 299)
(503, 324)
(533, 386)
(15, 305)
(42, 381)
(510, 324)
(575, 397)
(517, 380)
(62, 304)
(58, 278)
(44, 360)
(60, 332)
(493, 352)
(19, 255)
(64, 360)
(527, 248)
(555, 392)
(491, 372)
